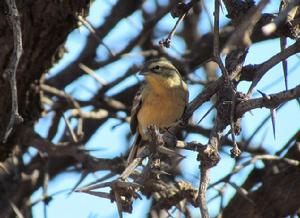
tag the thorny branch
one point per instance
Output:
(273, 101)
(263, 69)
(202, 191)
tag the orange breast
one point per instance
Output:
(161, 109)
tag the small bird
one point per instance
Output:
(160, 102)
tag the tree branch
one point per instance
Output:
(11, 70)
(273, 101)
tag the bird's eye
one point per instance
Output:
(155, 68)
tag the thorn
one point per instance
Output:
(169, 152)
(264, 95)
(273, 117)
(105, 177)
(138, 195)
(82, 177)
(209, 110)
(284, 62)
(98, 194)
(273, 113)
(91, 150)
(97, 186)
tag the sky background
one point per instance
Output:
(111, 142)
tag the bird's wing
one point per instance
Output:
(136, 105)
(185, 87)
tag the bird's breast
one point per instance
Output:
(161, 109)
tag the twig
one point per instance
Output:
(274, 157)
(202, 191)
(10, 71)
(73, 103)
(167, 41)
(96, 115)
(92, 73)
(208, 158)
(90, 27)
(70, 129)
(59, 93)
(181, 10)
(131, 167)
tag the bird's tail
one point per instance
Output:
(134, 149)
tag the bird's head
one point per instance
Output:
(161, 72)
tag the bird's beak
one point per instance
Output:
(144, 72)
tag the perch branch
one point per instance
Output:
(274, 101)
(263, 69)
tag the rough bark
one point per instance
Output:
(45, 27)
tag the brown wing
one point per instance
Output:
(186, 96)
(136, 105)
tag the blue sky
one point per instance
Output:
(112, 142)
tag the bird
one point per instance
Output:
(161, 101)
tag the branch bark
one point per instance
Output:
(10, 71)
